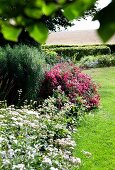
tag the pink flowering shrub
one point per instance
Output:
(75, 84)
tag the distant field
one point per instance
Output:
(83, 37)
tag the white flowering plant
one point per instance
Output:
(37, 139)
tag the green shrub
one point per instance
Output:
(52, 57)
(98, 61)
(79, 52)
(88, 62)
(3, 63)
(106, 60)
(23, 69)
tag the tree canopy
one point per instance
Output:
(38, 16)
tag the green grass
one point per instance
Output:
(96, 133)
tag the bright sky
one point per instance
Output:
(89, 24)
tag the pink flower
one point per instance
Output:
(73, 82)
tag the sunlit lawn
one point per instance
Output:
(96, 133)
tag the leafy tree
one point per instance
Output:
(38, 16)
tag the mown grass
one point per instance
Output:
(96, 133)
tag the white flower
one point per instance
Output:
(31, 112)
(6, 162)
(19, 166)
(1, 139)
(12, 136)
(15, 141)
(19, 123)
(13, 118)
(66, 142)
(26, 122)
(59, 88)
(66, 156)
(15, 113)
(3, 154)
(11, 153)
(52, 168)
(86, 153)
(17, 150)
(47, 160)
(32, 125)
(21, 119)
(75, 160)
(1, 116)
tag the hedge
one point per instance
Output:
(79, 52)
(57, 46)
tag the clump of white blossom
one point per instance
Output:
(38, 139)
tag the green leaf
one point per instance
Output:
(106, 31)
(106, 18)
(61, 1)
(10, 32)
(33, 13)
(20, 20)
(38, 32)
(70, 11)
(38, 3)
(49, 8)
(77, 8)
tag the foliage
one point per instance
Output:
(52, 57)
(29, 15)
(57, 21)
(37, 139)
(76, 85)
(97, 61)
(22, 67)
(79, 52)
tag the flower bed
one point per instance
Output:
(37, 139)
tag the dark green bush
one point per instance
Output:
(98, 61)
(23, 68)
(79, 52)
(3, 61)
(112, 47)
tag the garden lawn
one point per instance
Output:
(96, 133)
